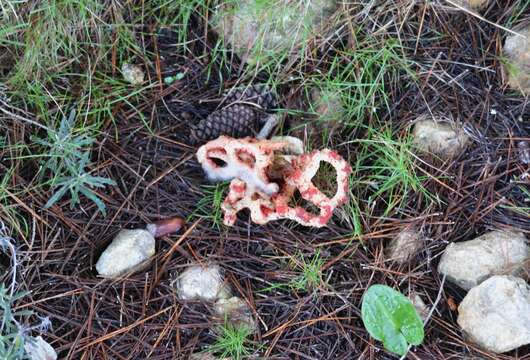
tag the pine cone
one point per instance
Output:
(258, 94)
(237, 120)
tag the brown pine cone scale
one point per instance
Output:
(258, 94)
(237, 121)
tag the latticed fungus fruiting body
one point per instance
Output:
(517, 62)
(265, 181)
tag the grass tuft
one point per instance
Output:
(209, 206)
(232, 341)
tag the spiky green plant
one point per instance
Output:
(232, 341)
(209, 206)
(65, 159)
(310, 273)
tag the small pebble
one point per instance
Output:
(200, 282)
(38, 349)
(129, 251)
(133, 74)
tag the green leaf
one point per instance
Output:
(391, 318)
(56, 196)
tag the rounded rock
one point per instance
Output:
(236, 312)
(517, 51)
(496, 314)
(468, 263)
(421, 308)
(473, 4)
(327, 104)
(439, 137)
(255, 26)
(200, 282)
(38, 349)
(405, 245)
(129, 251)
(133, 74)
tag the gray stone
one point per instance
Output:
(236, 312)
(421, 308)
(254, 29)
(133, 74)
(203, 356)
(439, 137)
(200, 282)
(38, 349)
(405, 245)
(129, 251)
(468, 263)
(327, 104)
(517, 52)
(496, 314)
(473, 4)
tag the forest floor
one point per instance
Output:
(67, 114)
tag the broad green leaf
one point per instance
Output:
(391, 318)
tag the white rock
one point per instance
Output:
(517, 51)
(38, 349)
(439, 137)
(496, 314)
(199, 282)
(236, 312)
(473, 4)
(129, 251)
(468, 263)
(203, 356)
(132, 74)
(405, 245)
(250, 26)
(421, 308)
(328, 105)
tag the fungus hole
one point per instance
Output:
(326, 179)
(246, 158)
(218, 162)
(298, 200)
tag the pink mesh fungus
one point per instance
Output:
(265, 179)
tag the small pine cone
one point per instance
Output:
(237, 121)
(258, 94)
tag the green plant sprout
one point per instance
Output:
(66, 160)
(311, 274)
(209, 206)
(390, 317)
(232, 341)
(13, 334)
